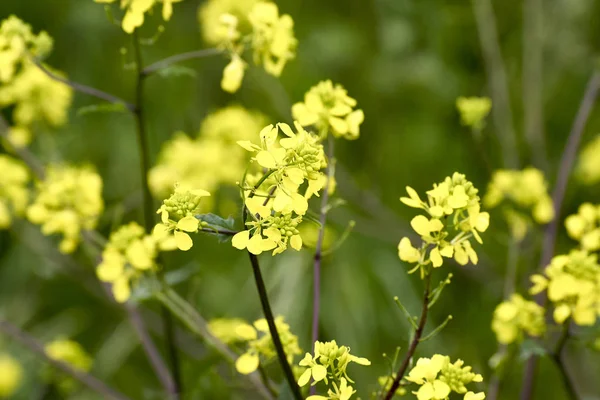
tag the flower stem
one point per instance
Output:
(264, 301)
(148, 207)
(167, 62)
(415, 340)
(319, 246)
(557, 358)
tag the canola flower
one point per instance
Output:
(178, 217)
(260, 347)
(585, 226)
(32, 95)
(225, 329)
(525, 198)
(198, 162)
(67, 201)
(517, 317)
(13, 189)
(453, 217)
(329, 108)
(572, 284)
(136, 10)
(11, 375)
(438, 377)
(129, 254)
(290, 162)
(271, 39)
(473, 111)
(329, 364)
(71, 353)
(588, 164)
(211, 11)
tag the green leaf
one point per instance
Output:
(99, 108)
(531, 347)
(216, 222)
(175, 71)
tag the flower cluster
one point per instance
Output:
(588, 164)
(32, 94)
(225, 329)
(135, 11)
(209, 16)
(178, 216)
(271, 39)
(453, 217)
(438, 377)
(128, 254)
(572, 283)
(71, 353)
(330, 362)
(11, 375)
(473, 111)
(260, 344)
(329, 108)
(67, 201)
(515, 317)
(13, 189)
(585, 226)
(198, 162)
(526, 193)
(275, 203)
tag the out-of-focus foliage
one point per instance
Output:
(406, 62)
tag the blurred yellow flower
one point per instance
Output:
(210, 12)
(515, 317)
(11, 375)
(473, 111)
(588, 165)
(585, 226)
(135, 11)
(14, 194)
(67, 201)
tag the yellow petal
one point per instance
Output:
(296, 242)
(247, 363)
(305, 377)
(319, 372)
(421, 225)
(121, 290)
(240, 240)
(188, 224)
(255, 244)
(561, 313)
(183, 240)
(245, 332)
(266, 159)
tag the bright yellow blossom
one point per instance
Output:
(178, 215)
(515, 317)
(13, 189)
(209, 15)
(233, 74)
(453, 218)
(260, 345)
(67, 201)
(71, 353)
(329, 109)
(588, 164)
(525, 193)
(585, 226)
(473, 111)
(11, 375)
(135, 11)
(438, 377)
(341, 392)
(572, 283)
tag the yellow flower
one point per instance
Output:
(70, 352)
(585, 226)
(209, 15)
(516, 316)
(178, 215)
(67, 201)
(11, 375)
(260, 345)
(273, 40)
(473, 111)
(572, 283)
(226, 330)
(329, 108)
(135, 11)
(13, 189)
(270, 233)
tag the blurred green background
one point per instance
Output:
(405, 61)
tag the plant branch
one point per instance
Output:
(414, 342)
(162, 64)
(78, 87)
(497, 80)
(566, 164)
(83, 377)
(557, 358)
(319, 245)
(148, 207)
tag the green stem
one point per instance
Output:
(557, 358)
(148, 207)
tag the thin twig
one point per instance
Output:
(81, 376)
(218, 231)
(32, 162)
(533, 112)
(319, 245)
(84, 88)
(148, 207)
(152, 68)
(497, 81)
(414, 343)
(566, 164)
